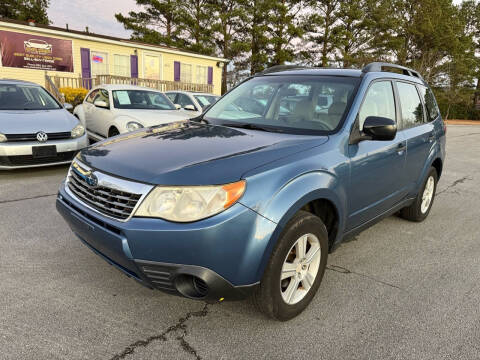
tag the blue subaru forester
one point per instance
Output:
(249, 198)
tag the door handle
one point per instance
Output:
(401, 147)
(431, 137)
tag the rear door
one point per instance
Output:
(419, 133)
(377, 181)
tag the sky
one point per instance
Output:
(99, 16)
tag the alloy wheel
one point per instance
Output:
(300, 268)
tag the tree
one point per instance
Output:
(157, 23)
(285, 22)
(353, 34)
(196, 19)
(25, 10)
(229, 16)
(323, 29)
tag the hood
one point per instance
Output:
(192, 154)
(33, 121)
(154, 117)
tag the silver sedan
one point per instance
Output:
(35, 129)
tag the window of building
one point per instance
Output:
(151, 66)
(99, 62)
(121, 65)
(185, 73)
(202, 74)
(412, 108)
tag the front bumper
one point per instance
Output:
(222, 253)
(15, 155)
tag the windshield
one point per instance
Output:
(141, 99)
(296, 104)
(26, 97)
(205, 100)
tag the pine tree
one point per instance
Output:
(157, 22)
(323, 28)
(285, 23)
(25, 10)
(227, 31)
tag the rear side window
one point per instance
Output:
(430, 103)
(379, 101)
(412, 108)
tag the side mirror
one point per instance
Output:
(100, 104)
(189, 107)
(380, 128)
(178, 107)
(67, 106)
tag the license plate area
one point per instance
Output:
(44, 151)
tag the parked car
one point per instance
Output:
(109, 110)
(35, 129)
(193, 102)
(249, 198)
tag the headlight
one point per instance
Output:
(3, 138)
(133, 125)
(77, 131)
(190, 203)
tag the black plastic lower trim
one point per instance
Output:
(167, 277)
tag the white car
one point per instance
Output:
(193, 102)
(109, 110)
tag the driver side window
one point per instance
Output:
(183, 100)
(379, 101)
(102, 95)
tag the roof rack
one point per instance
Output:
(378, 66)
(277, 68)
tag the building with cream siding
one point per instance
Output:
(30, 52)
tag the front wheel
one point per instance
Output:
(295, 270)
(420, 208)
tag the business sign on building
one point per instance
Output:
(29, 51)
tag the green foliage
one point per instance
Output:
(25, 10)
(435, 37)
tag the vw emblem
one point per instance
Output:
(42, 136)
(91, 180)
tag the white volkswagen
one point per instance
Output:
(109, 110)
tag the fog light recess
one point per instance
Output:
(191, 286)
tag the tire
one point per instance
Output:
(113, 132)
(270, 296)
(416, 212)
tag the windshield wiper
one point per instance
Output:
(251, 126)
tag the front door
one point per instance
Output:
(98, 119)
(377, 168)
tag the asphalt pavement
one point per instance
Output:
(399, 290)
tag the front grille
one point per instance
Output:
(159, 276)
(108, 201)
(33, 137)
(25, 160)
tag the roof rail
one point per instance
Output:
(277, 68)
(378, 66)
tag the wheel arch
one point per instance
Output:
(327, 201)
